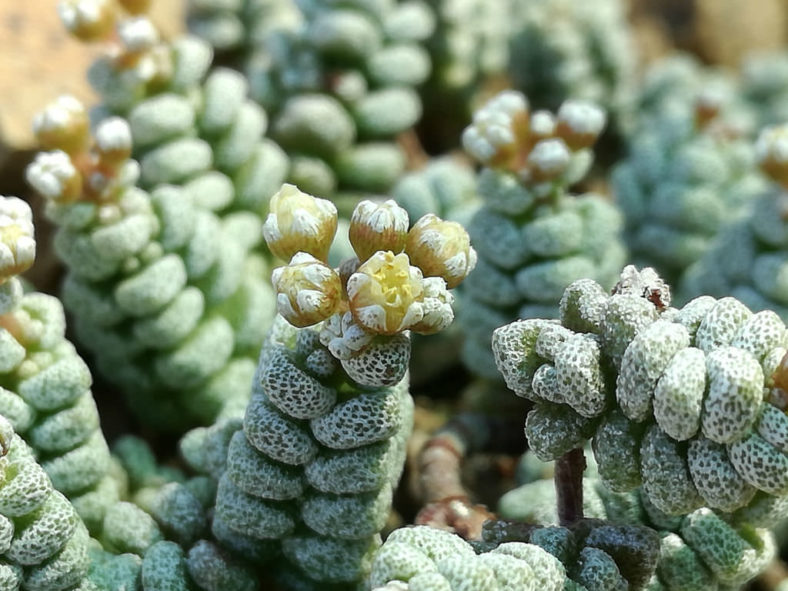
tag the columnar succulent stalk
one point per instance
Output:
(748, 259)
(672, 87)
(341, 88)
(46, 385)
(446, 187)
(690, 171)
(562, 49)
(160, 538)
(163, 291)
(764, 81)
(240, 27)
(43, 543)
(469, 51)
(701, 550)
(323, 440)
(600, 557)
(686, 403)
(191, 124)
(533, 237)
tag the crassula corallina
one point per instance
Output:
(672, 399)
(158, 215)
(533, 236)
(312, 471)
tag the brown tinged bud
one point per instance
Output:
(579, 124)
(771, 153)
(499, 130)
(441, 249)
(548, 160)
(307, 290)
(113, 142)
(299, 222)
(63, 125)
(378, 226)
(89, 20)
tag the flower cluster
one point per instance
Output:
(533, 236)
(399, 281)
(539, 146)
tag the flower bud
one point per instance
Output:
(385, 293)
(580, 123)
(113, 141)
(543, 125)
(307, 290)
(299, 222)
(378, 226)
(441, 249)
(548, 160)
(438, 313)
(63, 125)
(88, 20)
(54, 176)
(771, 152)
(138, 34)
(17, 245)
(498, 130)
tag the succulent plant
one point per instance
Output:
(690, 170)
(311, 473)
(748, 257)
(563, 50)
(340, 88)
(673, 399)
(532, 235)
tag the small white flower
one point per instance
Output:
(17, 245)
(54, 176)
(88, 20)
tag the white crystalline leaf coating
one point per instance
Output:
(114, 134)
(58, 114)
(550, 157)
(678, 397)
(437, 311)
(734, 394)
(75, 14)
(343, 336)
(49, 173)
(138, 34)
(381, 216)
(772, 144)
(582, 117)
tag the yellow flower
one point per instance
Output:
(17, 245)
(299, 222)
(378, 226)
(307, 290)
(385, 293)
(441, 249)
